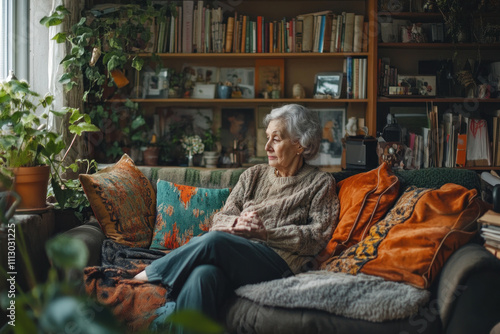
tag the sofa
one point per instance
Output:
(464, 293)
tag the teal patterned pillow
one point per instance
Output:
(183, 212)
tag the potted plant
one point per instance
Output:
(28, 148)
(459, 17)
(103, 44)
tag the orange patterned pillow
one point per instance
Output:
(123, 201)
(364, 199)
(412, 243)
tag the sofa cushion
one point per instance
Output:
(184, 212)
(364, 199)
(123, 201)
(412, 243)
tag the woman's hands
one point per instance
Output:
(248, 225)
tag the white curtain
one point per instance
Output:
(73, 98)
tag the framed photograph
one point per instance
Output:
(328, 83)
(237, 135)
(243, 78)
(421, 85)
(203, 74)
(155, 85)
(333, 123)
(270, 78)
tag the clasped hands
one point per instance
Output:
(247, 225)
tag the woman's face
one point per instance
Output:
(281, 151)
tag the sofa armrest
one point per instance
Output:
(468, 292)
(91, 234)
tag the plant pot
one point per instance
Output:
(211, 159)
(31, 184)
(150, 156)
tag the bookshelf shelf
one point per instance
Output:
(436, 100)
(295, 55)
(446, 46)
(190, 101)
(416, 16)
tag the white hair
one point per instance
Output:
(302, 124)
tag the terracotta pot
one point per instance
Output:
(150, 156)
(31, 184)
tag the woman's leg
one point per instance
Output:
(240, 260)
(206, 290)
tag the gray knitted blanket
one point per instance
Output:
(360, 297)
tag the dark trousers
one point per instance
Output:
(203, 273)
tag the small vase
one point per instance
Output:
(190, 160)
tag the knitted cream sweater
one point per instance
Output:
(299, 212)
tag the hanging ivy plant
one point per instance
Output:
(103, 43)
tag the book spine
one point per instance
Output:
(187, 26)
(298, 35)
(229, 34)
(349, 32)
(358, 33)
(349, 77)
(259, 34)
(243, 33)
(321, 33)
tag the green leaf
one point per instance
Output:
(66, 252)
(60, 37)
(137, 63)
(65, 78)
(79, 128)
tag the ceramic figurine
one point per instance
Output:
(352, 126)
(298, 91)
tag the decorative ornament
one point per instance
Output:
(298, 91)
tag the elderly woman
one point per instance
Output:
(276, 220)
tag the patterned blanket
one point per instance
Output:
(132, 302)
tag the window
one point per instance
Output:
(14, 38)
(5, 41)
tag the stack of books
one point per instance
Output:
(490, 231)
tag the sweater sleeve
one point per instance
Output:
(234, 204)
(311, 238)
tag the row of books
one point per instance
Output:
(198, 28)
(387, 76)
(455, 141)
(490, 231)
(355, 70)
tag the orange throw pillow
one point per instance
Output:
(412, 243)
(364, 200)
(123, 201)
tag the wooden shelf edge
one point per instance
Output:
(233, 101)
(257, 55)
(462, 46)
(435, 100)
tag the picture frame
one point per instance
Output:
(328, 84)
(238, 135)
(270, 78)
(333, 123)
(202, 74)
(155, 85)
(417, 85)
(242, 77)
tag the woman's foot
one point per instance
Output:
(142, 276)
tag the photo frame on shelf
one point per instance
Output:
(328, 84)
(270, 78)
(241, 77)
(203, 74)
(238, 135)
(333, 123)
(155, 85)
(420, 85)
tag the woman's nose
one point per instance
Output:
(268, 146)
